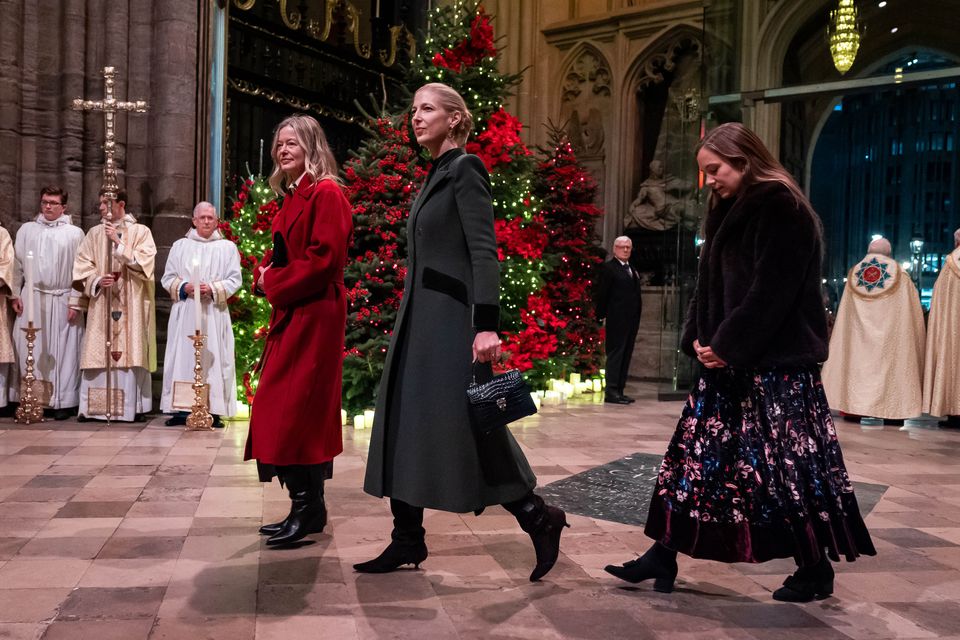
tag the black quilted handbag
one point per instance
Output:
(498, 401)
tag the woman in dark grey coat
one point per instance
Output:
(423, 451)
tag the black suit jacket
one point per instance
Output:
(617, 295)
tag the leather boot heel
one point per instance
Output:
(663, 585)
(655, 564)
(807, 584)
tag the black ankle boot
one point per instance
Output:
(393, 557)
(810, 583)
(407, 545)
(659, 563)
(544, 524)
(308, 513)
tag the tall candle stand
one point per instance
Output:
(199, 418)
(30, 409)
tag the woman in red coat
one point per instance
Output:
(295, 429)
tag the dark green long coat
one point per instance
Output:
(422, 448)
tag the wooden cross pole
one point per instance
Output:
(109, 106)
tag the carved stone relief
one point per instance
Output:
(668, 103)
(585, 107)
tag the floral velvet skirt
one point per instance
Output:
(755, 472)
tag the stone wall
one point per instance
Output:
(52, 51)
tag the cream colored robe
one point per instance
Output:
(6, 283)
(7, 372)
(56, 350)
(219, 264)
(941, 377)
(136, 338)
(875, 366)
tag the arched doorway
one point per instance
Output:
(663, 95)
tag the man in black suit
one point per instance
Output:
(618, 300)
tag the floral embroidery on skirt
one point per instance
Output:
(754, 472)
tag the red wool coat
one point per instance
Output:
(295, 417)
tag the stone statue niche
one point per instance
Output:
(670, 115)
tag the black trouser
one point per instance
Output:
(320, 472)
(621, 336)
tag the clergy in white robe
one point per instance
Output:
(118, 278)
(205, 260)
(52, 239)
(941, 378)
(7, 370)
(875, 368)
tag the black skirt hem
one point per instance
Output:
(805, 541)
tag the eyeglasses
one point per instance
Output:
(50, 203)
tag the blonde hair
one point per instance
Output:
(450, 101)
(319, 162)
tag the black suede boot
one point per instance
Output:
(407, 544)
(659, 563)
(544, 524)
(814, 582)
(308, 513)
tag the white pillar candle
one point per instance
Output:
(358, 422)
(596, 385)
(195, 281)
(575, 379)
(28, 288)
(368, 418)
(343, 417)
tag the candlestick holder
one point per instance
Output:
(30, 409)
(199, 418)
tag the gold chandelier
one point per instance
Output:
(844, 32)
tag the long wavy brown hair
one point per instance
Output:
(744, 151)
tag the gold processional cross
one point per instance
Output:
(110, 106)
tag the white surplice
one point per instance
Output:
(56, 350)
(219, 266)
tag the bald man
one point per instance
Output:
(618, 301)
(202, 263)
(875, 367)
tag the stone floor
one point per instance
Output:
(140, 531)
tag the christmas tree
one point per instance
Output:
(382, 178)
(544, 222)
(567, 192)
(248, 225)
(461, 52)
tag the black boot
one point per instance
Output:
(276, 527)
(544, 524)
(308, 513)
(407, 544)
(659, 563)
(814, 582)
